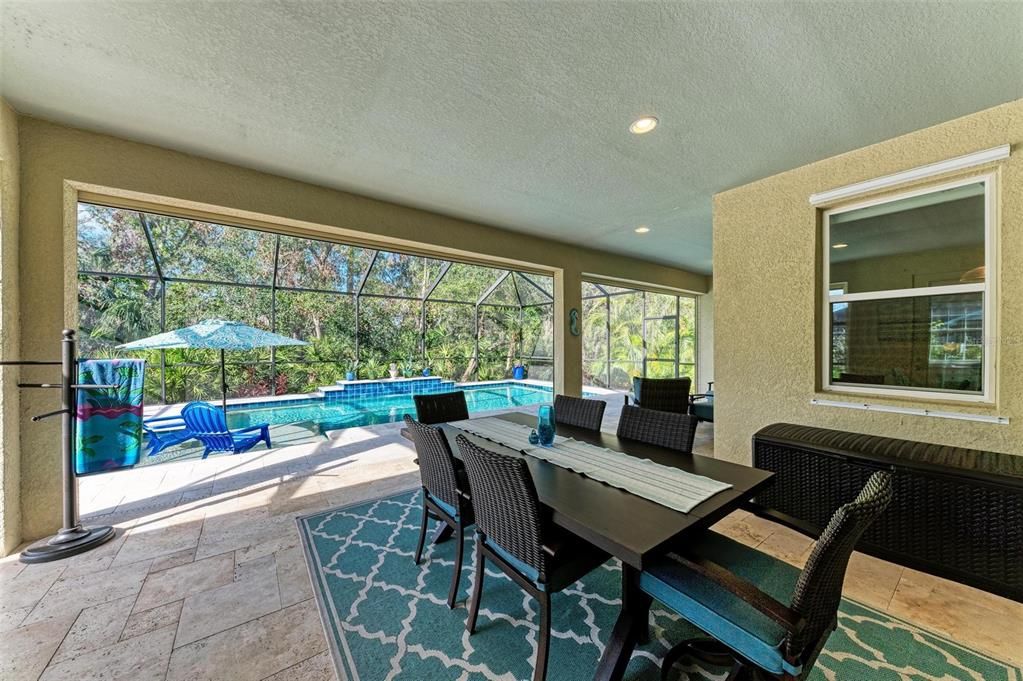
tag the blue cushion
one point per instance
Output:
(717, 611)
(446, 507)
(529, 572)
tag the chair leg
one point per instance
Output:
(544, 639)
(457, 575)
(477, 589)
(206, 453)
(422, 534)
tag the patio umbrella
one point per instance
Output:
(214, 334)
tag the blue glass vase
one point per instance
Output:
(545, 427)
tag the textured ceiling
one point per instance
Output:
(515, 114)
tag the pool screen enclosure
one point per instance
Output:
(145, 273)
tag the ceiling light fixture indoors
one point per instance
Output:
(643, 125)
(840, 245)
(642, 229)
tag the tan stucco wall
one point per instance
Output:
(10, 470)
(766, 290)
(56, 159)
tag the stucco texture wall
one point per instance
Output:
(766, 290)
(57, 160)
(10, 473)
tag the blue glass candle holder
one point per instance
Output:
(545, 427)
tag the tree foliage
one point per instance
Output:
(302, 288)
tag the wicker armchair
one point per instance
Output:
(662, 394)
(579, 412)
(738, 595)
(446, 494)
(513, 532)
(661, 428)
(441, 407)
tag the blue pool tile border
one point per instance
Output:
(385, 387)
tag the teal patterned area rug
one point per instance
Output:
(387, 619)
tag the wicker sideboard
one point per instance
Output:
(957, 513)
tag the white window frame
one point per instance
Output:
(987, 288)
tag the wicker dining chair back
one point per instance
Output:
(436, 463)
(663, 394)
(819, 590)
(661, 428)
(441, 407)
(506, 504)
(579, 412)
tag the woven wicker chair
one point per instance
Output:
(446, 494)
(661, 428)
(579, 412)
(662, 394)
(513, 532)
(738, 595)
(441, 407)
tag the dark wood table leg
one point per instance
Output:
(634, 616)
(442, 534)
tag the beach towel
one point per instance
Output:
(108, 432)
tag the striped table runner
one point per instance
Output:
(664, 485)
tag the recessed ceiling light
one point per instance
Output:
(840, 245)
(642, 229)
(643, 125)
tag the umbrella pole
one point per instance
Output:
(223, 384)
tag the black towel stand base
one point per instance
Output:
(67, 544)
(72, 538)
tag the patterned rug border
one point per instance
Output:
(317, 580)
(335, 641)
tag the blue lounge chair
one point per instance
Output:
(208, 425)
(165, 431)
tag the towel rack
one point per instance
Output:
(73, 537)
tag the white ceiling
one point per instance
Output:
(515, 114)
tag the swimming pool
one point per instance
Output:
(365, 410)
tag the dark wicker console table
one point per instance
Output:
(957, 513)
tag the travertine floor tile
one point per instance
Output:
(871, 581)
(293, 576)
(27, 650)
(316, 668)
(149, 620)
(176, 583)
(253, 650)
(151, 542)
(750, 529)
(252, 594)
(143, 658)
(69, 596)
(96, 627)
(27, 587)
(181, 557)
(12, 619)
(992, 623)
(787, 545)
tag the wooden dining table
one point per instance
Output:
(629, 527)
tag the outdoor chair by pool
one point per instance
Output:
(165, 431)
(446, 494)
(441, 407)
(209, 425)
(661, 428)
(579, 412)
(765, 618)
(515, 533)
(662, 394)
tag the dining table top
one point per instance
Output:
(627, 526)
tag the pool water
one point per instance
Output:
(369, 410)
